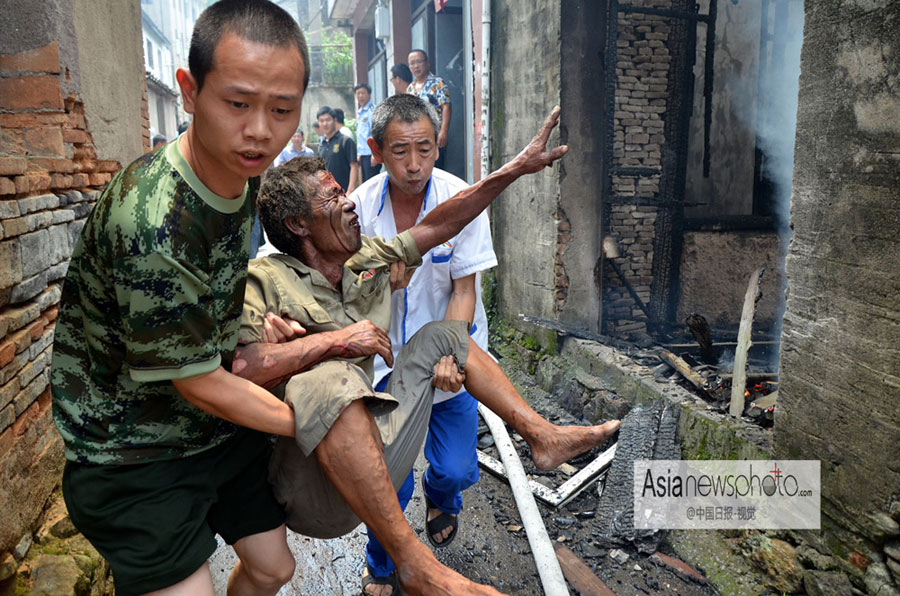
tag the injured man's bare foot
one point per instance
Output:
(557, 444)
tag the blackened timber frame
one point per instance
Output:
(669, 200)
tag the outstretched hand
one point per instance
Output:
(535, 157)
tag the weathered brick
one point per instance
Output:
(37, 203)
(48, 298)
(11, 270)
(108, 166)
(75, 228)
(21, 339)
(59, 216)
(76, 136)
(8, 391)
(32, 370)
(13, 166)
(7, 186)
(12, 369)
(76, 120)
(37, 182)
(85, 165)
(29, 288)
(46, 140)
(7, 352)
(60, 181)
(52, 164)
(58, 271)
(22, 184)
(59, 243)
(42, 59)
(31, 93)
(33, 119)
(30, 393)
(84, 152)
(98, 179)
(80, 180)
(7, 417)
(42, 345)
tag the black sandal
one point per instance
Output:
(390, 580)
(439, 524)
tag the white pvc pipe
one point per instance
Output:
(541, 547)
(486, 88)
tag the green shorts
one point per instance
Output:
(156, 522)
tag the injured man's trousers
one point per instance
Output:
(318, 396)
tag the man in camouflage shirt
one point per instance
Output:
(353, 445)
(158, 456)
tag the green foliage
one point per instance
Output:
(337, 57)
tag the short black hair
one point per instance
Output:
(339, 115)
(183, 126)
(423, 52)
(402, 70)
(403, 107)
(287, 191)
(363, 86)
(259, 21)
(325, 110)
(157, 139)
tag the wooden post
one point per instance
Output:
(580, 575)
(739, 381)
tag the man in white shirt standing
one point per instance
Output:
(404, 132)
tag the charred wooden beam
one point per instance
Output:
(681, 365)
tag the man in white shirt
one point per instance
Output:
(445, 286)
(297, 148)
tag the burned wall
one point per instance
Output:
(51, 171)
(653, 54)
(726, 188)
(840, 366)
(715, 270)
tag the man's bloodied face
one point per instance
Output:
(334, 228)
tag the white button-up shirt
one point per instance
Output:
(428, 294)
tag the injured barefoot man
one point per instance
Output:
(354, 446)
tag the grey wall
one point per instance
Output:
(525, 85)
(840, 373)
(729, 188)
(582, 172)
(111, 69)
(715, 270)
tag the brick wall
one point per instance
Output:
(49, 179)
(642, 101)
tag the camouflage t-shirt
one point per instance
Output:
(153, 293)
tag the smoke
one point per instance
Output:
(767, 103)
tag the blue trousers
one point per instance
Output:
(453, 466)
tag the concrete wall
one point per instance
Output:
(715, 270)
(525, 85)
(111, 68)
(729, 188)
(579, 228)
(840, 366)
